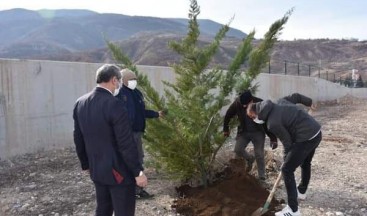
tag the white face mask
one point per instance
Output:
(117, 90)
(258, 121)
(131, 84)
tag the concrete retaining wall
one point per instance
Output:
(37, 98)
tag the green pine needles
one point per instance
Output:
(184, 143)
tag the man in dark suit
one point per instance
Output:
(105, 145)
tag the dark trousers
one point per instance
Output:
(301, 154)
(258, 140)
(119, 199)
(138, 140)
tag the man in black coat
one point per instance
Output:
(300, 135)
(133, 102)
(105, 145)
(248, 131)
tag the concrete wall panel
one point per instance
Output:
(37, 99)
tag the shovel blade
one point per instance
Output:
(259, 212)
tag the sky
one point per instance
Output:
(311, 19)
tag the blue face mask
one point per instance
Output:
(258, 121)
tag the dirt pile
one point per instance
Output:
(238, 193)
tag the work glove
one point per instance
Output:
(273, 144)
(226, 133)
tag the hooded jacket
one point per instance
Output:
(246, 123)
(288, 122)
(295, 98)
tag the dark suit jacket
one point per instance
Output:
(103, 139)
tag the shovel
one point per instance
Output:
(262, 210)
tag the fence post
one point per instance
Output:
(298, 68)
(319, 72)
(334, 78)
(285, 66)
(327, 75)
(309, 70)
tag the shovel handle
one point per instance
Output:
(272, 192)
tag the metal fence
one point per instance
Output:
(312, 70)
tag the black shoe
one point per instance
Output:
(143, 195)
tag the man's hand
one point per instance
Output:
(161, 114)
(313, 108)
(273, 144)
(141, 180)
(226, 133)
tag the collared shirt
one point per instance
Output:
(99, 86)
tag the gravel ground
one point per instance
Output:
(51, 183)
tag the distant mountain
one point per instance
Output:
(337, 57)
(333, 56)
(210, 27)
(149, 48)
(24, 32)
(79, 35)
(46, 13)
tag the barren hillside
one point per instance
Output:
(322, 56)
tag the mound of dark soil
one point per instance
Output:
(238, 193)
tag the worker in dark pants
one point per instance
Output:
(248, 131)
(300, 135)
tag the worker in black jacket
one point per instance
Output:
(300, 135)
(297, 98)
(248, 131)
(105, 145)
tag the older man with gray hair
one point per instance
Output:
(105, 145)
(133, 102)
